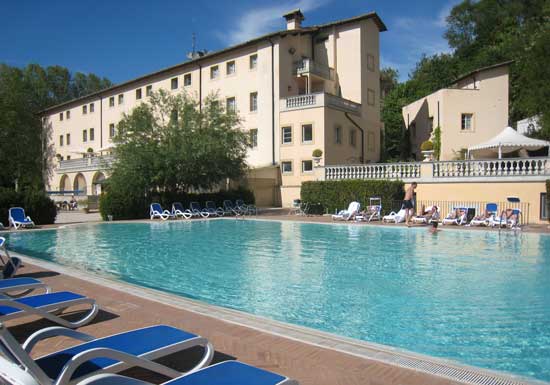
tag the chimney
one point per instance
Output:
(294, 19)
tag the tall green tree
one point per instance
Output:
(25, 145)
(171, 146)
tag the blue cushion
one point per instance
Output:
(9, 282)
(134, 342)
(41, 300)
(229, 373)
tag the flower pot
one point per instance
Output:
(428, 155)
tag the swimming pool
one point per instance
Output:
(481, 298)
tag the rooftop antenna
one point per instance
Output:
(194, 54)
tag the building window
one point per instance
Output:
(353, 137)
(370, 62)
(84, 135)
(68, 157)
(230, 68)
(187, 80)
(370, 97)
(111, 130)
(68, 139)
(92, 134)
(138, 94)
(286, 167)
(84, 109)
(253, 61)
(370, 141)
(286, 134)
(68, 115)
(253, 101)
(466, 123)
(307, 165)
(120, 98)
(307, 133)
(338, 135)
(543, 206)
(61, 117)
(254, 138)
(214, 72)
(112, 101)
(174, 83)
(60, 140)
(148, 90)
(92, 107)
(231, 104)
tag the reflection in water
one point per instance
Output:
(475, 296)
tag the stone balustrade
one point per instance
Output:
(85, 164)
(401, 171)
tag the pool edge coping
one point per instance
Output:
(436, 366)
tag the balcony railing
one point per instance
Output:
(85, 164)
(492, 168)
(319, 100)
(401, 171)
(306, 65)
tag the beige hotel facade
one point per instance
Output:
(296, 90)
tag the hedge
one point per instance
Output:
(548, 199)
(329, 196)
(37, 205)
(122, 206)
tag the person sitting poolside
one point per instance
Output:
(508, 214)
(483, 216)
(457, 213)
(73, 204)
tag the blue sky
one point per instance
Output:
(126, 39)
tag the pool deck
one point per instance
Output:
(303, 354)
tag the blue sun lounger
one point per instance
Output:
(223, 373)
(110, 354)
(21, 286)
(47, 306)
(156, 211)
(18, 219)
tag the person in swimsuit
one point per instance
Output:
(408, 203)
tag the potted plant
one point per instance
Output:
(317, 155)
(427, 148)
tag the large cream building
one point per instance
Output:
(472, 110)
(296, 90)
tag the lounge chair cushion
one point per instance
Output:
(229, 373)
(40, 300)
(136, 342)
(14, 282)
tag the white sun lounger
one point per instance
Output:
(461, 220)
(109, 354)
(156, 211)
(346, 215)
(18, 219)
(394, 217)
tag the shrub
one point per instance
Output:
(124, 206)
(336, 195)
(437, 142)
(427, 146)
(548, 199)
(317, 153)
(37, 205)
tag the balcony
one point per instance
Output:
(307, 66)
(85, 164)
(321, 99)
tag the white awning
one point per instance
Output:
(509, 140)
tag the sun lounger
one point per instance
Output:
(179, 212)
(47, 306)
(423, 219)
(156, 211)
(109, 354)
(197, 211)
(373, 212)
(230, 209)
(18, 219)
(346, 215)
(394, 217)
(232, 372)
(246, 209)
(18, 287)
(491, 210)
(210, 206)
(9, 265)
(452, 219)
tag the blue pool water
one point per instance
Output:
(482, 298)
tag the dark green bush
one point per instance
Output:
(123, 206)
(548, 199)
(37, 205)
(329, 196)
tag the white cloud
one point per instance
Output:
(259, 21)
(444, 12)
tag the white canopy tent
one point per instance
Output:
(509, 140)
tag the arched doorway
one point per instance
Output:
(97, 183)
(80, 184)
(64, 183)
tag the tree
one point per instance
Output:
(25, 145)
(170, 146)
